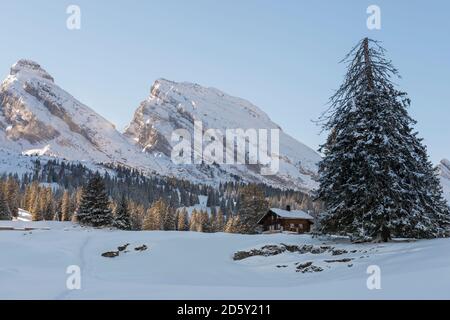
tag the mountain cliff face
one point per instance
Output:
(444, 171)
(173, 106)
(37, 117)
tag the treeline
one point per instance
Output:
(55, 191)
(95, 210)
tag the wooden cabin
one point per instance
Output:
(286, 220)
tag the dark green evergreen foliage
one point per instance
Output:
(5, 212)
(122, 218)
(253, 206)
(94, 208)
(376, 180)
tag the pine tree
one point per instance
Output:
(233, 225)
(122, 219)
(25, 200)
(170, 220)
(151, 220)
(183, 220)
(376, 180)
(137, 215)
(33, 195)
(213, 220)
(36, 214)
(219, 223)
(42, 203)
(65, 206)
(5, 212)
(155, 216)
(11, 190)
(204, 222)
(252, 206)
(94, 207)
(194, 221)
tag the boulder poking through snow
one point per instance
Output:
(141, 248)
(110, 254)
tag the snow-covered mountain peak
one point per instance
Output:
(30, 69)
(198, 100)
(37, 117)
(177, 105)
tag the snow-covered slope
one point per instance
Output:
(173, 106)
(190, 265)
(444, 171)
(38, 118)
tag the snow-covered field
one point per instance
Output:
(186, 265)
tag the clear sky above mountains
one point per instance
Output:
(281, 55)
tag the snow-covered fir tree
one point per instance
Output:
(170, 220)
(46, 203)
(137, 213)
(5, 212)
(94, 207)
(375, 178)
(122, 219)
(11, 192)
(252, 206)
(204, 222)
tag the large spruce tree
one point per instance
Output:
(375, 178)
(94, 207)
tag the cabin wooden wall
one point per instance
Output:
(273, 220)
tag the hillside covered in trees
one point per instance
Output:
(57, 190)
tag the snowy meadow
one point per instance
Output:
(39, 264)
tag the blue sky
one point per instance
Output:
(281, 55)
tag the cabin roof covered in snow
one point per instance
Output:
(293, 214)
